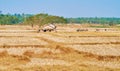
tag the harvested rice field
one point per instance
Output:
(23, 49)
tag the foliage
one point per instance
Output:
(12, 19)
(95, 20)
(42, 19)
(8, 19)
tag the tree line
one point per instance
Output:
(94, 20)
(41, 19)
(30, 19)
(13, 19)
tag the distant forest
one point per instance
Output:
(94, 20)
(13, 19)
(41, 19)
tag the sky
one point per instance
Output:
(65, 8)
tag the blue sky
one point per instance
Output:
(65, 8)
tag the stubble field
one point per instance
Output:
(23, 49)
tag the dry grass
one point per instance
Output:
(98, 49)
(20, 41)
(21, 49)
